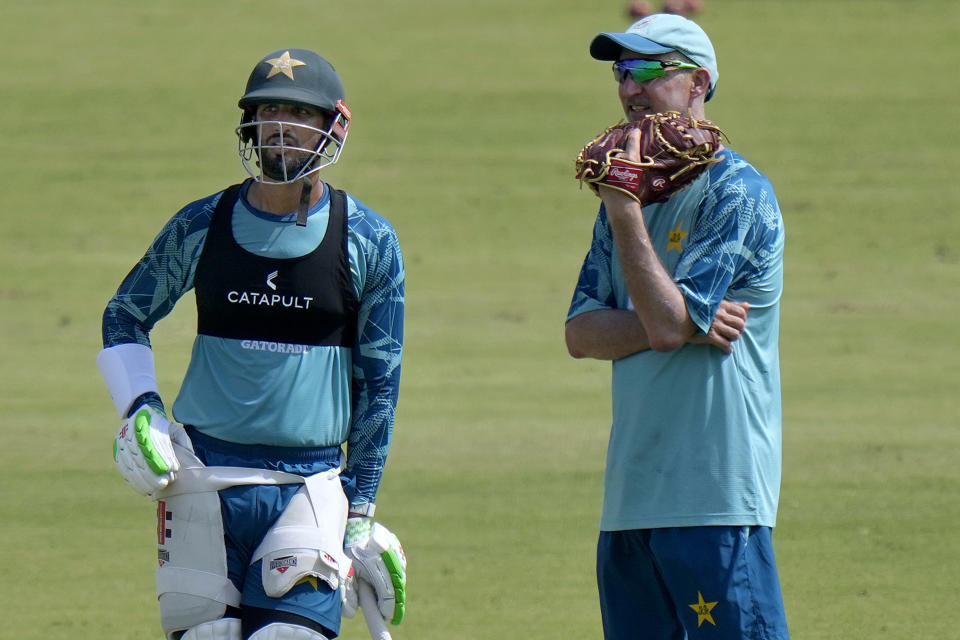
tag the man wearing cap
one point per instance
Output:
(264, 523)
(693, 465)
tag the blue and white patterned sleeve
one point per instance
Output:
(377, 356)
(594, 288)
(161, 277)
(734, 247)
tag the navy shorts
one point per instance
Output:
(249, 512)
(687, 583)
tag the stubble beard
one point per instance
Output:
(283, 166)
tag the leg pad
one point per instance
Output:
(286, 631)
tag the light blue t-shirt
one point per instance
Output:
(696, 434)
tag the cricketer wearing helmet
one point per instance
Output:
(264, 522)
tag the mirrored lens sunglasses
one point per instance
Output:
(643, 70)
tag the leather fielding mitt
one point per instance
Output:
(674, 151)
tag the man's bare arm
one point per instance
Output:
(611, 334)
(605, 334)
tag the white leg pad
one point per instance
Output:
(284, 631)
(222, 629)
(192, 583)
(307, 538)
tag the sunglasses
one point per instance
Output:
(643, 70)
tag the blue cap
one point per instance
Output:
(657, 34)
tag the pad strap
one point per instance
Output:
(202, 479)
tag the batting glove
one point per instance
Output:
(143, 449)
(378, 559)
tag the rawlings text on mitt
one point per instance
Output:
(674, 151)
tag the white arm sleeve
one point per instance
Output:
(129, 372)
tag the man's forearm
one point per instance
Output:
(659, 304)
(605, 334)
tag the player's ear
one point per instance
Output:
(699, 83)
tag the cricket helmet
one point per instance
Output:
(292, 76)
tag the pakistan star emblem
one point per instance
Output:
(309, 580)
(284, 64)
(676, 238)
(703, 610)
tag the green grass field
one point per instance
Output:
(467, 116)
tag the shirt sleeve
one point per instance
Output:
(161, 277)
(733, 248)
(594, 288)
(376, 357)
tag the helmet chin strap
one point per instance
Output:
(305, 192)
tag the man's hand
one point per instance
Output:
(378, 559)
(612, 196)
(650, 159)
(727, 325)
(143, 449)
